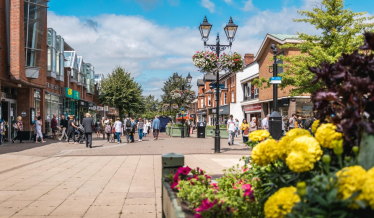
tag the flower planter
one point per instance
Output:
(209, 131)
(168, 130)
(172, 206)
(223, 133)
(177, 131)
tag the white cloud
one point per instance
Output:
(248, 6)
(208, 5)
(228, 1)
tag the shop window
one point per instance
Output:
(37, 102)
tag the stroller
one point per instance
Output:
(79, 135)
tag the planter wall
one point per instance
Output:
(177, 131)
(209, 132)
(168, 130)
(223, 133)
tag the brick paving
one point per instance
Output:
(56, 179)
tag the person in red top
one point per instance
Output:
(54, 124)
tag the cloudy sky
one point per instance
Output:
(154, 38)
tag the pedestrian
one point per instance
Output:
(253, 125)
(292, 122)
(38, 129)
(64, 126)
(265, 123)
(237, 128)
(102, 126)
(108, 129)
(54, 124)
(149, 125)
(156, 127)
(300, 122)
(246, 131)
(2, 128)
(127, 128)
(140, 126)
(97, 128)
(87, 123)
(243, 127)
(132, 130)
(118, 127)
(18, 126)
(231, 129)
(71, 126)
(308, 124)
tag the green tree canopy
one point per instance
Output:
(341, 33)
(151, 107)
(121, 91)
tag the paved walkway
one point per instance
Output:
(63, 180)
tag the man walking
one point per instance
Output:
(127, 128)
(156, 127)
(231, 129)
(54, 124)
(265, 123)
(87, 123)
(292, 121)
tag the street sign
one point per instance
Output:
(23, 114)
(276, 80)
(213, 85)
(182, 112)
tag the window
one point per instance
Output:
(225, 98)
(232, 96)
(35, 13)
(209, 100)
(201, 103)
(225, 83)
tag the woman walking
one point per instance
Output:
(245, 128)
(38, 129)
(118, 127)
(253, 125)
(149, 124)
(97, 128)
(237, 128)
(140, 127)
(19, 128)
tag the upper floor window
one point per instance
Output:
(232, 96)
(225, 98)
(35, 13)
(201, 103)
(209, 100)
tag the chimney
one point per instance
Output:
(248, 58)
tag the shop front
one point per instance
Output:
(53, 106)
(201, 116)
(92, 110)
(70, 103)
(8, 111)
(253, 110)
(224, 114)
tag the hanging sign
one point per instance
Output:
(252, 107)
(106, 108)
(23, 114)
(32, 115)
(99, 108)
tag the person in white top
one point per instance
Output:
(149, 125)
(38, 129)
(118, 127)
(231, 129)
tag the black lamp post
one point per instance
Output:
(176, 78)
(230, 31)
(275, 120)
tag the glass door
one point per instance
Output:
(13, 118)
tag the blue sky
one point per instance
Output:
(153, 38)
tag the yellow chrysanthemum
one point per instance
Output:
(259, 135)
(315, 126)
(299, 161)
(281, 202)
(307, 144)
(351, 180)
(266, 152)
(326, 133)
(368, 188)
(290, 136)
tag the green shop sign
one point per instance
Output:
(71, 93)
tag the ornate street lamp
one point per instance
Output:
(230, 31)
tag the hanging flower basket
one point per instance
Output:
(208, 62)
(185, 96)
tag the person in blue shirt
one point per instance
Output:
(156, 127)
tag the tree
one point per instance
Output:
(341, 33)
(121, 91)
(151, 107)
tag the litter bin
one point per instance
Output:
(201, 129)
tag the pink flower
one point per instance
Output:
(174, 184)
(248, 191)
(207, 176)
(176, 177)
(198, 216)
(214, 186)
(184, 170)
(206, 205)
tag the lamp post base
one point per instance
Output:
(217, 141)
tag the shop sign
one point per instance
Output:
(99, 108)
(3, 95)
(214, 110)
(93, 108)
(75, 95)
(106, 108)
(83, 104)
(23, 114)
(71, 93)
(252, 107)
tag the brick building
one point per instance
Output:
(33, 77)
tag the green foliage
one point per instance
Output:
(366, 154)
(251, 143)
(121, 91)
(151, 107)
(341, 33)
